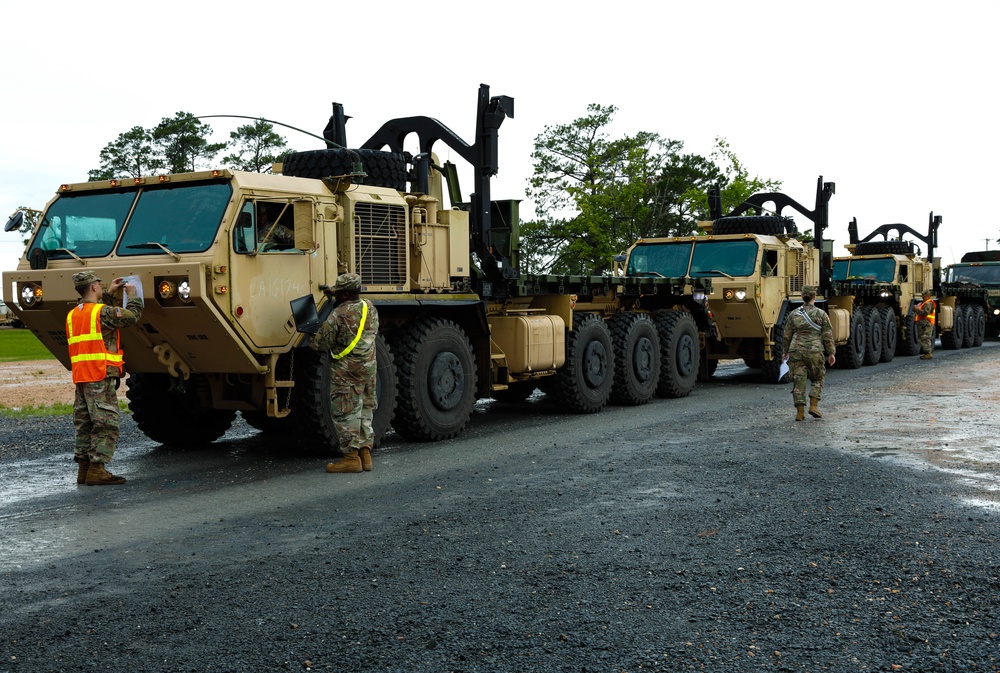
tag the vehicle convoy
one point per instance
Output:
(980, 269)
(758, 265)
(8, 317)
(459, 322)
(882, 280)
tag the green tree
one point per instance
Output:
(183, 142)
(734, 181)
(130, 155)
(29, 220)
(256, 147)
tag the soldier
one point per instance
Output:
(349, 335)
(808, 336)
(925, 317)
(95, 353)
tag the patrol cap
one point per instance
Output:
(85, 278)
(351, 282)
(809, 290)
(927, 293)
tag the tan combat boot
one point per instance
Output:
(366, 459)
(800, 412)
(926, 356)
(814, 408)
(82, 466)
(351, 462)
(97, 475)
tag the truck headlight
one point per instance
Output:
(737, 294)
(184, 290)
(30, 295)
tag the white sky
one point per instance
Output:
(893, 101)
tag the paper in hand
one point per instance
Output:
(782, 370)
(136, 284)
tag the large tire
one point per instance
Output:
(873, 335)
(636, 347)
(978, 326)
(883, 248)
(954, 339)
(174, 416)
(762, 224)
(969, 337)
(908, 343)
(679, 353)
(436, 369)
(852, 354)
(386, 389)
(585, 381)
(890, 333)
(383, 169)
(771, 369)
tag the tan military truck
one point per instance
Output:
(978, 269)
(458, 321)
(884, 280)
(758, 266)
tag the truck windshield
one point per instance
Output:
(877, 270)
(986, 275)
(181, 218)
(85, 225)
(669, 260)
(709, 258)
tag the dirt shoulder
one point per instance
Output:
(35, 383)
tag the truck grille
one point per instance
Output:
(380, 243)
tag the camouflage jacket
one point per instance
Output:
(115, 317)
(808, 330)
(337, 333)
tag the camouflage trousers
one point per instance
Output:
(95, 417)
(803, 367)
(925, 332)
(352, 409)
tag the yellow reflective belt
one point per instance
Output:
(357, 337)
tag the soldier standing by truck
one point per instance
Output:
(809, 336)
(349, 335)
(92, 332)
(925, 316)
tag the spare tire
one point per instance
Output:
(383, 169)
(768, 225)
(884, 248)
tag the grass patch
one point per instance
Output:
(17, 345)
(50, 410)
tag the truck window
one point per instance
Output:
(85, 224)
(264, 226)
(733, 258)
(669, 260)
(182, 219)
(877, 270)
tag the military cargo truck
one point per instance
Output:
(884, 280)
(758, 265)
(220, 254)
(979, 269)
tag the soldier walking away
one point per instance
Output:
(809, 338)
(925, 317)
(95, 353)
(349, 335)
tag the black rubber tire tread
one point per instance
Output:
(770, 225)
(883, 248)
(970, 328)
(978, 325)
(771, 369)
(516, 393)
(583, 384)
(431, 406)
(890, 333)
(310, 421)
(384, 169)
(953, 339)
(908, 344)
(174, 419)
(852, 354)
(636, 345)
(873, 335)
(679, 353)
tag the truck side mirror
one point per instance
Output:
(303, 216)
(14, 223)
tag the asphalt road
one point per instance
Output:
(707, 533)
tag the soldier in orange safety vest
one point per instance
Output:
(96, 361)
(925, 317)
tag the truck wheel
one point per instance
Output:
(584, 382)
(679, 356)
(908, 343)
(954, 339)
(384, 169)
(436, 369)
(637, 358)
(978, 326)
(769, 225)
(852, 354)
(172, 417)
(883, 248)
(771, 369)
(970, 326)
(890, 332)
(873, 335)
(386, 389)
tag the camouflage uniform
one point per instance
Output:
(808, 347)
(95, 407)
(925, 314)
(352, 377)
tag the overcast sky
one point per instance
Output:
(892, 101)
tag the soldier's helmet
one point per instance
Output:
(85, 278)
(350, 282)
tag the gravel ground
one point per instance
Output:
(709, 533)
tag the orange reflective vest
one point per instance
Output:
(88, 356)
(930, 317)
